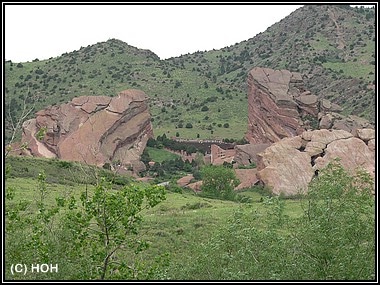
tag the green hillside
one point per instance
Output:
(204, 94)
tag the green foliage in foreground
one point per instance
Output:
(86, 235)
(327, 235)
(334, 239)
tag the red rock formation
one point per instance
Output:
(247, 153)
(93, 129)
(284, 168)
(247, 178)
(184, 181)
(333, 120)
(195, 186)
(272, 111)
(280, 107)
(354, 152)
(289, 165)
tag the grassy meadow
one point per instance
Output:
(188, 236)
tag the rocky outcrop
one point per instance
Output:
(333, 120)
(289, 165)
(354, 151)
(284, 168)
(272, 110)
(92, 129)
(184, 181)
(247, 178)
(247, 153)
(195, 186)
(279, 106)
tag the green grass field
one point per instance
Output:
(177, 226)
(192, 231)
(159, 155)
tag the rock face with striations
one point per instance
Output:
(272, 109)
(92, 129)
(279, 106)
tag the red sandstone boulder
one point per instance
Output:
(184, 181)
(289, 165)
(284, 168)
(337, 121)
(352, 153)
(316, 141)
(365, 134)
(195, 186)
(247, 178)
(93, 129)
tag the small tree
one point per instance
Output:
(16, 123)
(108, 220)
(219, 182)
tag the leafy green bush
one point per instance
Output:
(218, 182)
(64, 164)
(336, 235)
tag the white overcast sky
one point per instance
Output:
(44, 31)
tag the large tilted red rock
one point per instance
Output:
(279, 106)
(289, 165)
(283, 120)
(272, 110)
(93, 129)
